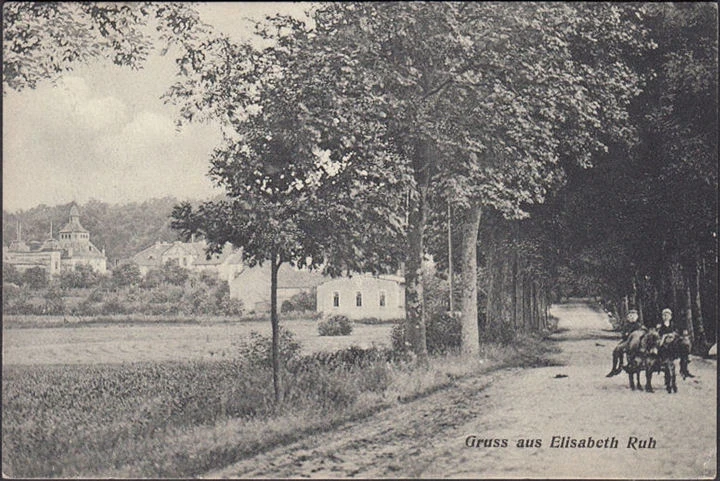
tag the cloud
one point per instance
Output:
(103, 132)
(76, 142)
(74, 105)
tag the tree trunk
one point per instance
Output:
(515, 288)
(274, 267)
(417, 219)
(451, 304)
(701, 340)
(688, 310)
(625, 308)
(469, 320)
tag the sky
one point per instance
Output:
(104, 133)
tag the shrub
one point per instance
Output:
(113, 306)
(501, 332)
(153, 278)
(97, 295)
(302, 301)
(82, 276)
(11, 275)
(257, 351)
(443, 333)
(126, 275)
(335, 326)
(287, 306)
(174, 274)
(35, 278)
(210, 279)
(54, 303)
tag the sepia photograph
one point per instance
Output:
(372, 240)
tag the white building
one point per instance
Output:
(54, 255)
(76, 246)
(252, 285)
(192, 256)
(362, 296)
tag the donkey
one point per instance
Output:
(670, 347)
(642, 355)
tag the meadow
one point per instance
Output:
(181, 400)
(128, 339)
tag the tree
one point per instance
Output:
(126, 275)
(42, 40)
(54, 303)
(642, 226)
(292, 195)
(35, 278)
(474, 100)
(173, 273)
(81, 276)
(10, 274)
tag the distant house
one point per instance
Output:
(362, 296)
(192, 256)
(73, 248)
(252, 285)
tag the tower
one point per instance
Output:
(74, 235)
(18, 245)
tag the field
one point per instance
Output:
(121, 343)
(180, 400)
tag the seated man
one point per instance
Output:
(666, 327)
(631, 325)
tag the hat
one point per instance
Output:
(632, 311)
(666, 310)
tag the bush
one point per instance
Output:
(11, 275)
(335, 326)
(287, 306)
(82, 276)
(126, 275)
(443, 333)
(54, 303)
(302, 301)
(257, 351)
(35, 278)
(501, 332)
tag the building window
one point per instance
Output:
(382, 298)
(185, 261)
(336, 299)
(358, 299)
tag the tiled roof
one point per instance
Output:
(228, 255)
(290, 277)
(73, 226)
(152, 255)
(80, 250)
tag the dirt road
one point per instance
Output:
(428, 437)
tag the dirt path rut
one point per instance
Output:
(428, 437)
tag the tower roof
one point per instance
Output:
(74, 224)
